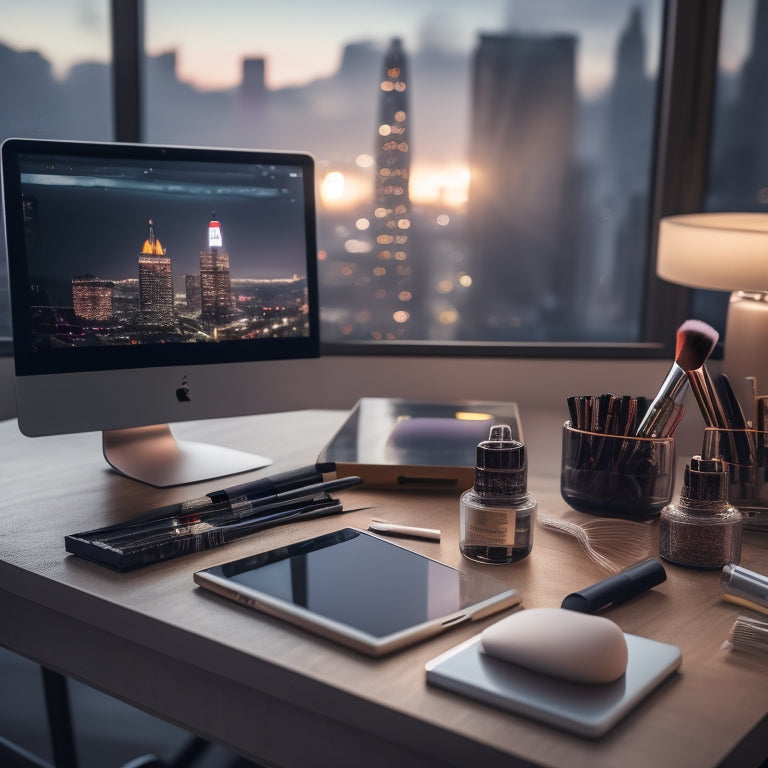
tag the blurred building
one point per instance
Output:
(521, 148)
(391, 267)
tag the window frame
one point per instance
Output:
(687, 75)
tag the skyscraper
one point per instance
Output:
(155, 283)
(523, 115)
(215, 283)
(391, 278)
(624, 198)
(740, 166)
(92, 298)
(193, 294)
(631, 97)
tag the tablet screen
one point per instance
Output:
(357, 580)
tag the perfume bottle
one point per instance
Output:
(703, 530)
(497, 513)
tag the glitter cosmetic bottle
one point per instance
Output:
(497, 513)
(703, 530)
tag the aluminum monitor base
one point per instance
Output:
(152, 455)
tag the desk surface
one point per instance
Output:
(279, 695)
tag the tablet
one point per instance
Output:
(352, 587)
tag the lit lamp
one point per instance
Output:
(725, 252)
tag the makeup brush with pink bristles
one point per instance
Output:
(694, 344)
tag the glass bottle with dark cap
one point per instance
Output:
(703, 530)
(497, 513)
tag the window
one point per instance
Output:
(485, 168)
(54, 82)
(738, 161)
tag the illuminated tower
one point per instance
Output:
(92, 299)
(391, 270)
(215, 284)
(155, 283)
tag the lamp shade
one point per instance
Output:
(720, 251)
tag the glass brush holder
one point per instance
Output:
(744, 453)
(616, 475)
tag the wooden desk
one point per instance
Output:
(281, 696)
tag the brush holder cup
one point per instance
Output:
(616, 475)
(745, 455)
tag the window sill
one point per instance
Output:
(537, 350)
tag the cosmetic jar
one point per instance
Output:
(747, 588)
(703, 530)
(497, 513)
(616, 475)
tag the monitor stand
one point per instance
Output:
(152, 455)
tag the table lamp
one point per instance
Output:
(725, 252)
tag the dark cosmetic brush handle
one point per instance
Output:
(712, 409)
(708, 399)
(744, 443)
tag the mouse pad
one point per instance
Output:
(584, 709)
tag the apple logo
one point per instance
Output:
(182, 393)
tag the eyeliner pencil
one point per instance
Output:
(196, 537)
(202, 535)
(219, 513)
(263, 490)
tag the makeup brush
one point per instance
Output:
(718, 411)
(694, 343)
(748, 634)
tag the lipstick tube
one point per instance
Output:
(616, 589)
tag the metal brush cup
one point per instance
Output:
(745, 454)
(616, 475)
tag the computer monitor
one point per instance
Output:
(148, 286)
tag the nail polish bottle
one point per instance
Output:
(497, 513)
(703, 530)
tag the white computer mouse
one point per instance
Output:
(579, 647)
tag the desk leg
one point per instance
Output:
(59, 719)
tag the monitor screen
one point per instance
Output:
(147, 281)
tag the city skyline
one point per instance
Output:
(440, 73)
(143, 308)
(600, 166)
(304, 45)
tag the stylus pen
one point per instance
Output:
(410, 531)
